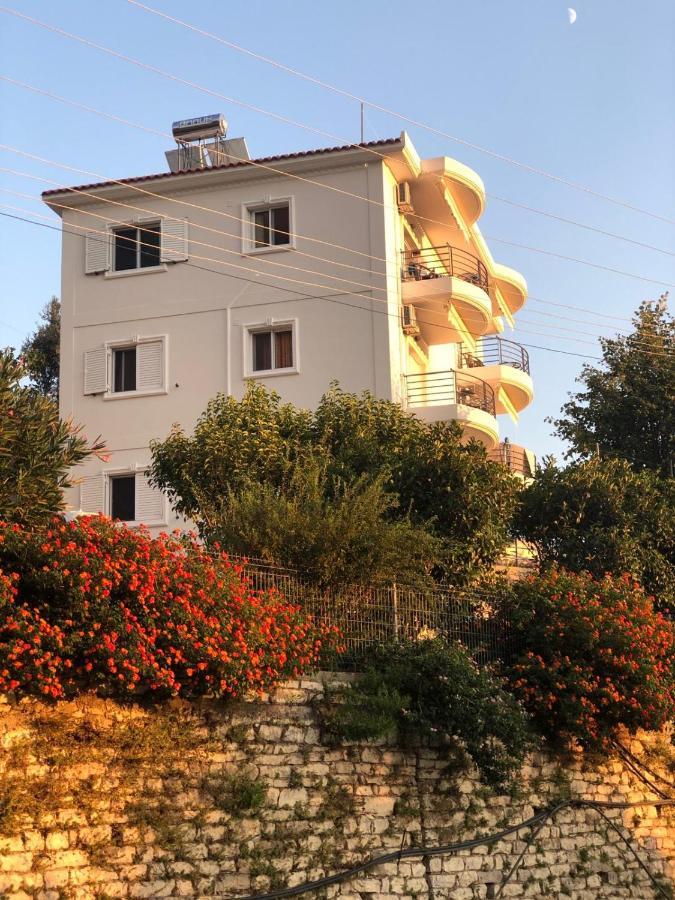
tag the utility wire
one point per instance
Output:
(155, 69)
(535, 821)
(228, 215)
(107, 220)
(361, 296)
(165, 134)
(263, 259)
(298, 294)
(383, 109)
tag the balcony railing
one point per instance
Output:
(438, 388)
(515, 459)
(495, 351)
(437, 262)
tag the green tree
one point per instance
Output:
(627, 410)
(449, 487)
(37, 449)
(325, 527)
(255, 461)
(601, 516)
(41, 351)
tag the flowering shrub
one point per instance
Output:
(596, 656)
(92, 605)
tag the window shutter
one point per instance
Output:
(96, 371)
(149, 501)
(150, 366)
(96, 252)
(174, 240)
(91, 494)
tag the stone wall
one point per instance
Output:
(100, 801)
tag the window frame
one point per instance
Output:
(128, 344)
(248, 225)
(116, 477)
(130, 471)
(115, 353)
(138, 225)
(270, 326)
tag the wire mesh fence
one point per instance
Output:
(367, 615)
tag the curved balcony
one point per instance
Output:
(465, 186)
(516, 459)
(449, 395)
(505, 366)
(443, 279)
(511, 285)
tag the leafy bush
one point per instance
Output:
(328, 530)
(92, 605)
(37, 449)
(596, 657)
(603, 517)
(433, 690)
(256, 456)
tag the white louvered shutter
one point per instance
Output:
(92, 498)
(150, 366)
(174, 240)
(97, 252)
(149, 501)
(96, 371)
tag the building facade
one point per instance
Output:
(361, 264)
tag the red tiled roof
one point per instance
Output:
(261, 160)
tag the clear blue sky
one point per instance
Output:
(592, 102)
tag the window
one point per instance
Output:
(272, 349)
(271, 226)
(136, 247)
(123, 497)
(133, 367)
(124, 369)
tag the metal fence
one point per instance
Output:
(370, 615)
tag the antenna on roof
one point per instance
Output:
(201, 143)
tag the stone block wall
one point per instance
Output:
(99, 800)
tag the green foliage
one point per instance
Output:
(324, 528)
(236, 793)
(601, 516)
(40, 351)
(368, 710)
(255, 461)
(627, 410)
(595, 657)
(37, 449)
(432, 690)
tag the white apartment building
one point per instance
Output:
(362, 264)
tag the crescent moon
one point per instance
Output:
(572, 13)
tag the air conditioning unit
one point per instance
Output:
(409, 321)
(403, 197)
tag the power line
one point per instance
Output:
(595, 229)
(369, 288)
(237, 253)
(298, 294)
(156, 70)
(578, 309)
(383, 109)
(219, 212)
(327, 297)
(164, 134)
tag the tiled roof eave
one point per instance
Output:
(161, 176)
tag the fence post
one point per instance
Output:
(394, 597)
